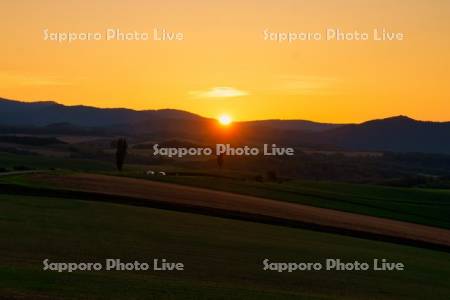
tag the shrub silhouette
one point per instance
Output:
(272, 176)
(220, 158)
(121, 152)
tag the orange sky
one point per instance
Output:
(224, 65)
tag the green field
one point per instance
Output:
(11, 161)
(223, 258)
(422, 206)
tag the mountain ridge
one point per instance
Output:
(43, 113)
(397, 134)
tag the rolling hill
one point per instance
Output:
(49, 112)
(395, 134)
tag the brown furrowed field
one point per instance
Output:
(158, 194)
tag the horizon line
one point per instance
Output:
(205, 117)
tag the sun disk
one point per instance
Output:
(225, 120)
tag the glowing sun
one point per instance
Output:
(225, 120)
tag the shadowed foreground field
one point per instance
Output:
(416, 205)
(178, 197)
(223, 258)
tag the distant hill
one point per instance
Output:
(301, 125)
(396, 134)
(30, 140)
(48, 112)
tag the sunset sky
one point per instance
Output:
(224, 65)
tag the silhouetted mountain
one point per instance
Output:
(397, 134)
(48, 112)
(300, 125)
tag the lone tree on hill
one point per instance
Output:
(121, 152)
(220, 158)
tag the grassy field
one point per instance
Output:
(10, 161)
(422, 206)
(223, 258)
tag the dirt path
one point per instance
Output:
(191, 196)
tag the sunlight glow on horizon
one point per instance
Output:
(225, 120)
(225, 65)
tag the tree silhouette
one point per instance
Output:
(272, 176)
(220, 158)
(121, 152)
